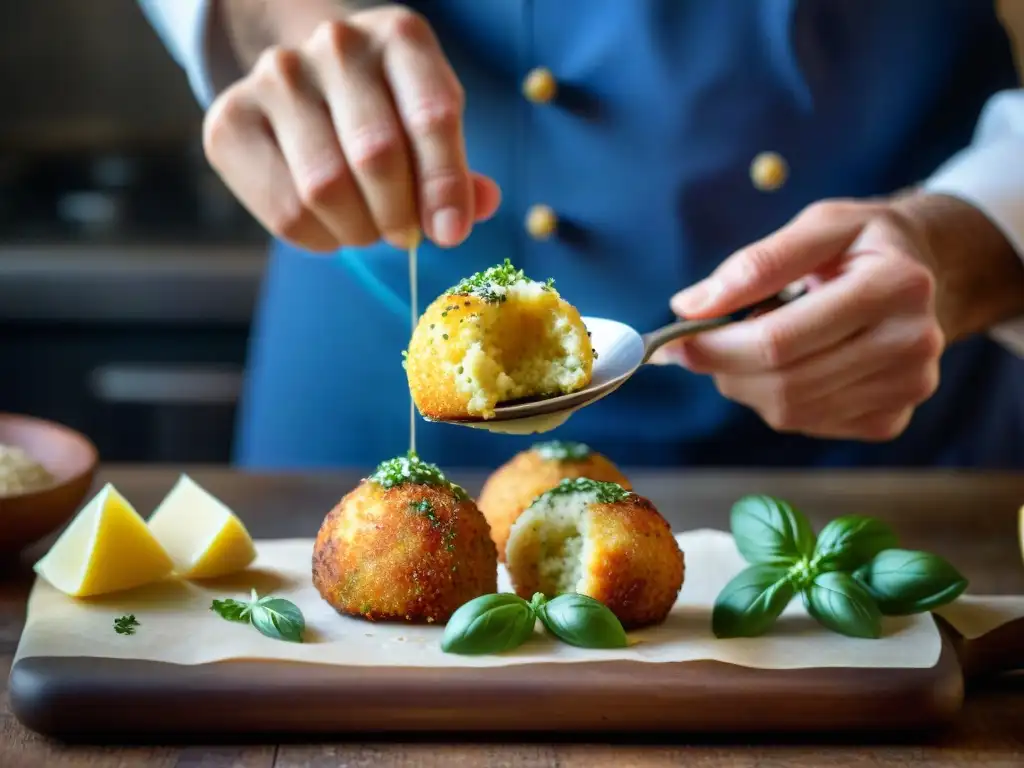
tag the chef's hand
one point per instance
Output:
(850, 359)
(353, 135)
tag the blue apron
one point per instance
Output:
(645, 158)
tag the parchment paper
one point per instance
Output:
(177, 625)
(976, 615)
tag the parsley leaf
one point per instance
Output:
(125, 625)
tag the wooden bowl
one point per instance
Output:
(68, 455)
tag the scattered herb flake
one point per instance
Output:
(425, 508)
(125, 625)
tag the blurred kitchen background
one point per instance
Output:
(128, 274)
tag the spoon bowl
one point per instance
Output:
(621, 351)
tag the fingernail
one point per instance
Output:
(400, 239)
(697, 298)
(403, 239)
(447, 226)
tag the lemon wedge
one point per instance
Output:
(1020, 530)
(203, 537)
(105, 548)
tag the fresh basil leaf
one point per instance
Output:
(582, 621)
(278, 618)
(850, 541)
(751, 602)
(903, 581)
(489, 624)
(836, 601)
(232, 610)
(770, 531)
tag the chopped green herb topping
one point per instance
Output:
(603, 492)
(125, 625)
(493, 283)
(412, 469)
(425, 508)
(562, 450)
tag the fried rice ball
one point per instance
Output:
(598, 539)
(496, 337)
(515, 484)
(405, 545)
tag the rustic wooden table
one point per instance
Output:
(971, 519)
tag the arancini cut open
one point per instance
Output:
(515, 484)
(597, 539)
(496, 337)
(406, 544)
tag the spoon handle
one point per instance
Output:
(677, 330)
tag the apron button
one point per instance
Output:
(541, 222)
(540, 86)
(768, 171)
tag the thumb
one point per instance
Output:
(764, 268)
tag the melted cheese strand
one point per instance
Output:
(413, 301)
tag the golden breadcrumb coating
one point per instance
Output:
(410, 552)
(600, 540)
(494, 338)
(513, 486)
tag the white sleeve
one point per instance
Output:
(192, 33)
(989, 174)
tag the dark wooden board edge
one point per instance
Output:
(84, 699)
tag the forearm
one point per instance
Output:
(979, 276)
(252, 26)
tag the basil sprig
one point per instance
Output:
(770, 531)
(582, 621)
(849, 576)
(274, 617)
(847, 542)
(489, 624)
(749, 604)
(502, 622)
(902, 581)
(838, 602)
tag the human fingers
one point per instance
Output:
(429, 101)
(898, 386)
(875, 427)
(286, 85)
(834, 313)
(372, 139)
(243, 151)
(903, 342)
(818, 235)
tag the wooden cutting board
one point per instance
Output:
(77, 697)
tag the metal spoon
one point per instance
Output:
(621, 351)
